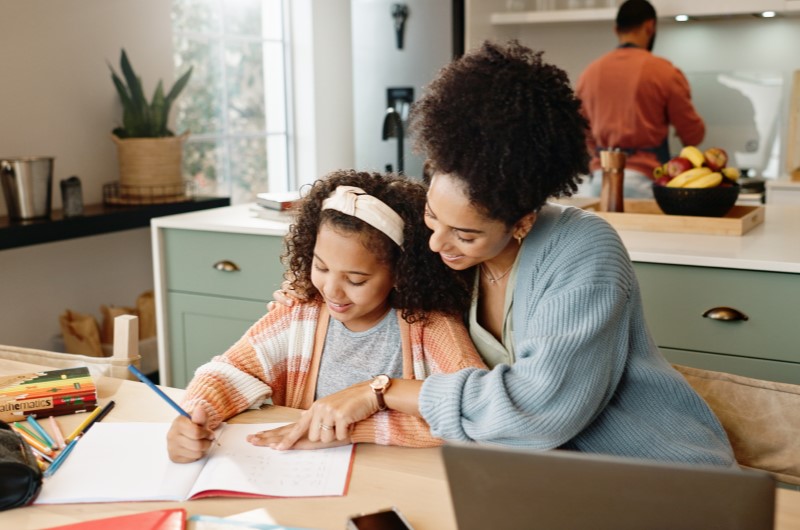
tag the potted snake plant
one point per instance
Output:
(149, 152)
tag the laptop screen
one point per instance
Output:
(508, 488)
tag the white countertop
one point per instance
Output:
(238, 219)
(773, 245)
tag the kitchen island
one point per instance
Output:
(204, 304)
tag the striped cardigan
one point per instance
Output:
(279, 358)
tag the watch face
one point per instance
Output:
(380, 382)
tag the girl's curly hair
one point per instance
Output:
(508, 125)
(423, 283)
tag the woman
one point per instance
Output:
(558, 315)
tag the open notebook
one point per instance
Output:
(503, 488)
(117, 462)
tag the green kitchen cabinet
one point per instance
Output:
(765, 346)
(204, 326)
(216, 285)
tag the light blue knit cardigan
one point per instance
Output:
(588, 375)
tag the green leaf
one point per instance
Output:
(157, 110)
(141, 119)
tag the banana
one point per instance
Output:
(706, 181)
(694, 155)
(687, 176)
(732, 173)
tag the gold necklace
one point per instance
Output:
(492, 279)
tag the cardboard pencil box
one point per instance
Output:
(47, 393)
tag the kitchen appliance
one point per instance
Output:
(27, 186)
(398, 48)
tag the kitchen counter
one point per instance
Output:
(201, 310)
(239, 219)
(773, 245)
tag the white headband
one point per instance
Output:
(354, 201)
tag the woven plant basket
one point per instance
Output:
(149, 164)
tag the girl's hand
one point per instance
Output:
(274, 437)
(332, 417)
(285, 295)
(187, 440)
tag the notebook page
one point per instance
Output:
(120, 462)
(238, 466)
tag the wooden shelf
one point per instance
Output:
(559, 15)
(96, 219)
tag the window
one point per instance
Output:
(235, 106)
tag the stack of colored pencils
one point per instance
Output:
(52, 448)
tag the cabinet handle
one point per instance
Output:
(226, 266)
(725, 313)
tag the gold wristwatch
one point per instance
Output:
(380, 385)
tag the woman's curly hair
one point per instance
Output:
(506, 124)
(423, 283)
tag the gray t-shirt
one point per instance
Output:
(350, 357)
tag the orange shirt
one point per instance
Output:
(630, 98)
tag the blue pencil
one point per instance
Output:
(143, 378)
(41, 431)
(57, 461)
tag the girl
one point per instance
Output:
(377, 302)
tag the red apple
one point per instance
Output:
(678, 165)
(716, 158)
(662, 180)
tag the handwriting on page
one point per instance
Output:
(236, 465)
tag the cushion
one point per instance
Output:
(762, 419)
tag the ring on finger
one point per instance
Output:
(325, 427)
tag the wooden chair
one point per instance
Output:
(762, 419)
(126, 352)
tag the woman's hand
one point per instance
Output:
(285, 295)
(332, 417)
(274, 437)
(189, 440)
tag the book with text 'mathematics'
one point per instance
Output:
(47, 393)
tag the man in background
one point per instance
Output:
(631, 97)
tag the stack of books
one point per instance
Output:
(276, 206)
(47, 393)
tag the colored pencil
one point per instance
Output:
(143, 378)
(101, 415)
(61, 457)
(57, 435)
(32, 441)
(23, 428)
(78, 430)
(35, 424)
(41, 455)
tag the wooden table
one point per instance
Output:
(411, 479)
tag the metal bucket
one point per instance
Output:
(27, 186)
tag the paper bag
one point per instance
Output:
(146, 307)
(81, 333)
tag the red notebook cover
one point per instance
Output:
(173, 519)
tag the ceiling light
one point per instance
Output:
(682, 18)
(768, 14)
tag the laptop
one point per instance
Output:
(502, 488)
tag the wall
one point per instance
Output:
(58, 100)
(721, 43)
